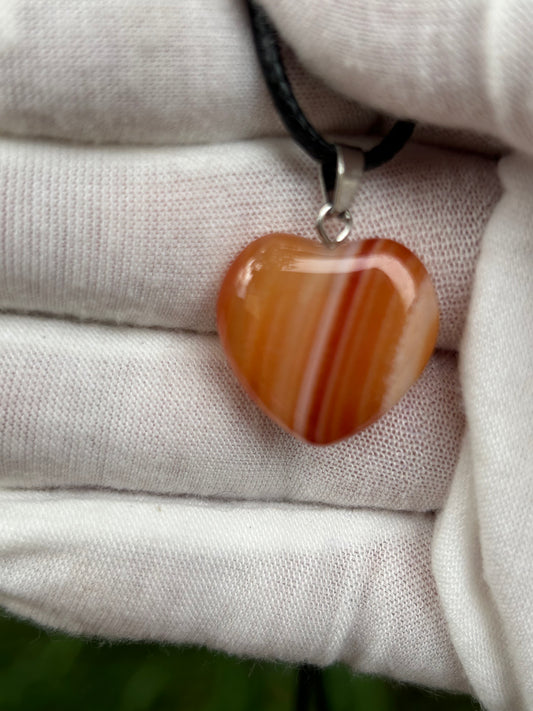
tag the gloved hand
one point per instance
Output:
(144, 496)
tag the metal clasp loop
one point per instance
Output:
(327, 211)
(350, 167)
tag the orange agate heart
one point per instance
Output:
(326, 341)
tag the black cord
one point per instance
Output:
(310, 683)
(268, 52)
(310, 680)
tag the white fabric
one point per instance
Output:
(141, 212)
(178, 512)
(485, 574)
(235, 576)
(111, 407)
(145, 71)
(451, 63)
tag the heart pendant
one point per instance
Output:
(326, 341)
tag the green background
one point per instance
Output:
(41, 671)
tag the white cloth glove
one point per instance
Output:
(143, 496)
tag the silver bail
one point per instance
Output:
(350, 167)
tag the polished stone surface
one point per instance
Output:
(326, 340)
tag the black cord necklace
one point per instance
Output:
(326, 338)
(310, 684)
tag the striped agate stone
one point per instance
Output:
(326, 340)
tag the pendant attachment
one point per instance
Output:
(327, 211)
(349, 172)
